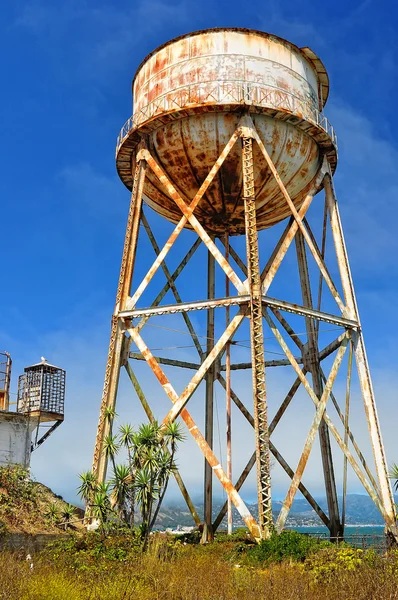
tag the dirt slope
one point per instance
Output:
(30, 507)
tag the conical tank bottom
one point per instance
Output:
(188, 148)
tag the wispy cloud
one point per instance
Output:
(368, 204)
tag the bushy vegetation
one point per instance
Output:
(287, 545)
(27, 506)
(114, 567)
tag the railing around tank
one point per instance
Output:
(228, 92)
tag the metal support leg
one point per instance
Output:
(117, 334)
(208, 482)
(228, 394)
(362, 361)
(346, 435)
(311, 357)
(257, 344)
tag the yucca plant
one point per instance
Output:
(394, 475)
(101, 508)
(53, 513)
(122, 490)
(88, 486)
(154, 464)
(151, 455)
(110, 415)
(68, 512)
(111, 448)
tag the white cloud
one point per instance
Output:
(367, 189)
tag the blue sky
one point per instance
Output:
(68, 68)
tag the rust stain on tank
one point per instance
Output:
(189, 96)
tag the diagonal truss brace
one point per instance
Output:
(199, 438)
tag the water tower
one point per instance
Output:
(227, 140)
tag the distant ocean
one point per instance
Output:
(349, 530)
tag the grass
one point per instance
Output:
(27, 506)
(94, 569)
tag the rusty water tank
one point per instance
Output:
(189, 95)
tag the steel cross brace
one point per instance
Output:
(323, 354)
(273, 450)
(299, 220)
(326, 418)
(188, 216)
(199, 438)
(361, 360)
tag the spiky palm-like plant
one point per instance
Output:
(394, 475)
(154, 464)
(53, 513)
(101, 508)
(110, 415)
(111, 448)
(122, 491)
(68, 512)
(172, 434)
(88, 486)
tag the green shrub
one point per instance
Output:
(288, 545)
(92, 550)
(328, 562)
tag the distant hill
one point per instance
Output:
(360, 511)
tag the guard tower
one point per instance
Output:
(40, 409)
(41, 397)
(229, 143)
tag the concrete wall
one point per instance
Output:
(15, 439)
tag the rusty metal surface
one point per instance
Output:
(214, 350)
(198, 437)
(311, 355)
(346, 433)
(209, 365)
(188, 97)
(364, 481)
(5, 379)
(228, 393)
(388, 505)
(171, 283)
(225, 32)
(309, 443)
(113, 363)
(257, 341)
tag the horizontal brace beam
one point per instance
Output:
(167, 361)
(309, 312)
(195, 366)
(238, 301)
(267, 363)
(184, 307)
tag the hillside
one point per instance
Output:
(30, 507)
